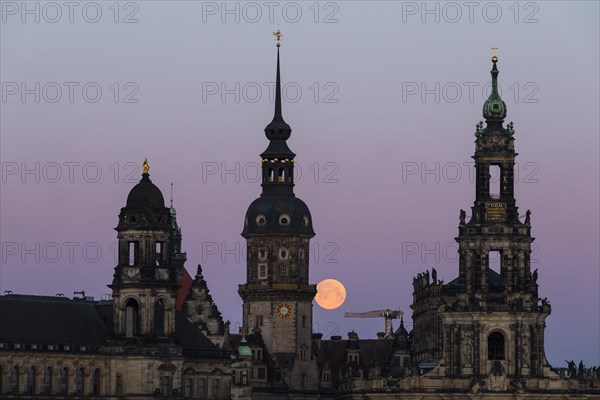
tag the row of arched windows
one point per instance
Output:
(33, 384)
(132, 318)
(281, 174)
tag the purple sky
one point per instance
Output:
(384, 166)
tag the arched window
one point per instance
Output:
(132, 318)
(64, 381)
(79, 382)
(96, 383)
(14, 379)
(281, 175)
(496, 346)
(270, 177)
(47, 381)
(31, 380)
(159, 318)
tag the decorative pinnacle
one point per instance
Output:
(145, 166)
(494, 57)
(171, 194)
(278, 35)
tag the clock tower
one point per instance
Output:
(277, 294)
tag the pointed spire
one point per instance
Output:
(278, 129)
(494, 108)
(278, 114)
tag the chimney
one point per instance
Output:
(336, 338)
(317, 338)
(380, 335)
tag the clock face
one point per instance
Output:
(284, 310)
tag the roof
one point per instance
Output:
(60, 320)
(185, 283)
(145, 194)
(50, 320)
(333, 352)
(190, 338)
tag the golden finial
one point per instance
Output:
(278, 35)
(494, 58)
(145, 166)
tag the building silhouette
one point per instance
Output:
(160, 335)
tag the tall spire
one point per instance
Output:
(494, 108)
(278, 159)
(278, 129)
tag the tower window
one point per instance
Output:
(494, 173)
(132, 318)
(159, 318)
(495, 261)
(283, 253)
(281, 175)
(496, 346)
(158, 252)
(271, 175)
(133, 253)
(259, 320)
(262, 254)
(284, 220)
(262, 271)
(304, 321)
(261, 220)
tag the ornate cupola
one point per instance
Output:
(494, 108)
(278, 210)
(145, 280)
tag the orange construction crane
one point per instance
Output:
(389, 315)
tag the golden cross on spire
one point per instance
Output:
(278, 35)
(494, 58)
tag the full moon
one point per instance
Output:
(330, 294)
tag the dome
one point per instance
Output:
(145, 195)
(276, 214)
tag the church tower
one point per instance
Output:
(488, 320)
(144, 286)
(277, 295)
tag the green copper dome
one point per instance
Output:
(244, 350)
(494, 107)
